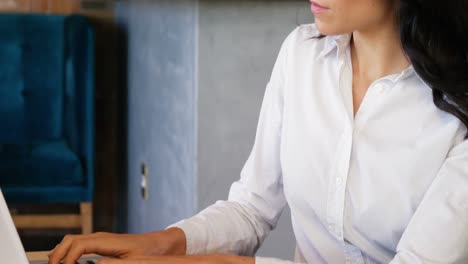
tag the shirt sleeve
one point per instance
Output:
(240, 224)
(438, 231)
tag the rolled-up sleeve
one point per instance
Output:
(240, 224)
(438, 231)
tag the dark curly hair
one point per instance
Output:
(434, 38)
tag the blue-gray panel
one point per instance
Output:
(161, 88)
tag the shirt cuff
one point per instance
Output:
(191, 234)
(263, 260)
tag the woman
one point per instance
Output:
(362, 133)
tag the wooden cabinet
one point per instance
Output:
(56, 6)
(15, 5)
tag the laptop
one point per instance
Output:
(11, 248)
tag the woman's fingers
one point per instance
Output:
(73, 244)
(120, 246)
(60, 251)
(80, 247)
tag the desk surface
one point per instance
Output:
(37, 255)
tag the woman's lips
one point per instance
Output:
(317, 9)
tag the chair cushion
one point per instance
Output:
(31, 78)
(36, 165)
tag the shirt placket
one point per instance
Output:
(337, 185)
(337, 188)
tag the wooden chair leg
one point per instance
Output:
(86, 211)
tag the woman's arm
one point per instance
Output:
(438, 231)
(225, 227)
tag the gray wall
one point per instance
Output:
(161, 87)
(238, 45)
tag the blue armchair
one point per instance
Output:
(47, 114)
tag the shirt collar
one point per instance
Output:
(340, 43)
(404, 74)
(332, 42)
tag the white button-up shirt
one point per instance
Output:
(389, 184)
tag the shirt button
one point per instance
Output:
(379, 88)
(339, 181)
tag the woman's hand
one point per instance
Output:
(168, 242)
(200, 259)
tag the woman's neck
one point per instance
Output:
(377, 52)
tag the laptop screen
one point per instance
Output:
(11, 248)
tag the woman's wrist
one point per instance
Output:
(171, 241)
(177, 241)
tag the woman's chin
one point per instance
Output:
(327, 29)
(323, 28)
